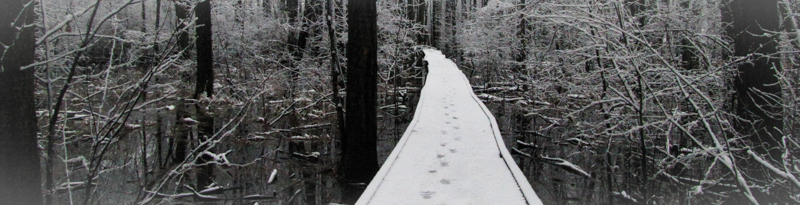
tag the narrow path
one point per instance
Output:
(451, 153)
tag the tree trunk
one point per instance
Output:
(182, 16)
(637, 8)
(359, 144)
(295, 54)
(144, 17)
(240, 14)
(158, 25)
(422, 37)
(334, 54)
(180, 139)
(159, 140)
(145, 168)
(442, 32)
(522, 33)
(758, 93)
(19, 151)
(431, 21)
(204, 85)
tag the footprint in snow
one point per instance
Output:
(427, 194)
(447, 122)
(458, 138)
(453, 150)
(456, 127)
(439, 156)
(444, 163)
(432, 171)
(444, 132)
(446, 114)
(443, 144)
(455, 118)
(444, 181)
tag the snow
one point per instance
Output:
(451, 153)
(625, 196)
(272, 176)
(566, 165)
(190, 121)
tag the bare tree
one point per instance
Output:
(758, 91)
(204, 86)
(359, 161)
(182, 15)
(19, 150)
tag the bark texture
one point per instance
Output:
(20, 181)
(204, 86)
(757, 101)
(359, 142)
(757, 91)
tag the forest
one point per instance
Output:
(301, 101)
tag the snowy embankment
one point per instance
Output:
(451, 153)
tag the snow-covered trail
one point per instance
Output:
(451, 153)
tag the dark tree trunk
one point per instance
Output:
(749, 17)
(295, 35)
(293, 44)
(750, 20)
(432, 23)
(182, 14)
(205, 52)
(422, 37)
(20, 181)
(443, 29)
(144, 17)
(296, 41)
(410, 9)
(158, 25)
(311, 11)
(145, 168)
(334, 54)
(359, 143)
(159, 140)
(522, 33)
(444, 32)
(689, 58)
(637, 9)
(204, 85)
(416, 13)
(452, 23)
(240, 14)
(180, 139)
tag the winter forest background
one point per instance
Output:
(657, 101)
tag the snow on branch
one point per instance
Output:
(558, 162)
(773, 168)
(202, 195)
(218, 159)
(624, 196)
(272, 176)
(522, 144)
(566, 165)
(257, 136)
(71, 186)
